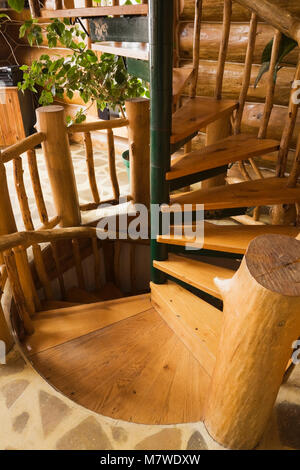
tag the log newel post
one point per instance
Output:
(56, 148)
(138, 114)
(261, 322)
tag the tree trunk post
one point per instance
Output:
(261, 322)
(216, 131)
(138, 114)
(56, 147)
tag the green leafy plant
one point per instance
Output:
(17, 5)
(102, 80)
(287, 44)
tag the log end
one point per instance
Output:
(274, 262)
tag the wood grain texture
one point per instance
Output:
(270, 191)
(197, 323)
(229, 150)
(261, 322)
(194, 272)
(126, 375)
(135, 50)
(228, 238)
(196, 114)
(56, 327)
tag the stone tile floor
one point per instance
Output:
(34, 416)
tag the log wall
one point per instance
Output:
(211, 31)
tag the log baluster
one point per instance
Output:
(36, 185)
(97, 263)
(112, 164)
(196, 47)
(78, 263)
(223, 48)
(91, 166)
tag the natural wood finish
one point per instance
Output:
(97, 125)
(223, 48)
(228, 238)
(211, 37)
(58, 327)
(135, 50)
(197, 323)
(78, 263)
(109, 291)
(91, 166)
(11, 122)
(229, 150)
(270, 87)
(96, 11)
(112, 164)
(5, 334)
(97, 263)
(278, 17)
(295, 172)
(213, 11)
(36, 185)
(289, 127)
(23, 146)
(247, 73)
(138, 113)
(215, 132)
(127, 376)
(196, 114)
(51, 121)
(59, 272)
(196, 46)
(17, 291)
(194, 273)
(270, 191)
(180, 78)
(81, 296)
(256, 341)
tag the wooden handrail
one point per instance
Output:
(97, 125)
(276, 16)
(95, 11)
(15, 150)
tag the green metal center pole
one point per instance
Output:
(161, 72)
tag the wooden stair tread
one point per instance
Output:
(229, 238)
(229, 150)
(180, 77)
(197, 323)
(54, 327)
(135, 370)
(135, 50)
(196, 114)
(269, 191)
(195, 273)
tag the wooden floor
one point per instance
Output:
(135, 369)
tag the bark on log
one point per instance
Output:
(261, 322)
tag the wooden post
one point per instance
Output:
(138, 114)
(261, 322)
(51, 121)
(35, 9)
(4, 331)
(215, 131)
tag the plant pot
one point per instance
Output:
(125, 156)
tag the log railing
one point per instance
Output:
(86, 128)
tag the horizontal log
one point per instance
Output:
(24, 145)
(233, 77)
(213, 9)
(98, 125)
(211, 34)
(96, 11)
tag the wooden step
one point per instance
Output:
(196, 114)
(196, 322)
(135, 50)
(232, 149)
(180, 78)
(195, 273)
(228, 238)
(270, 191)
(54, 327)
